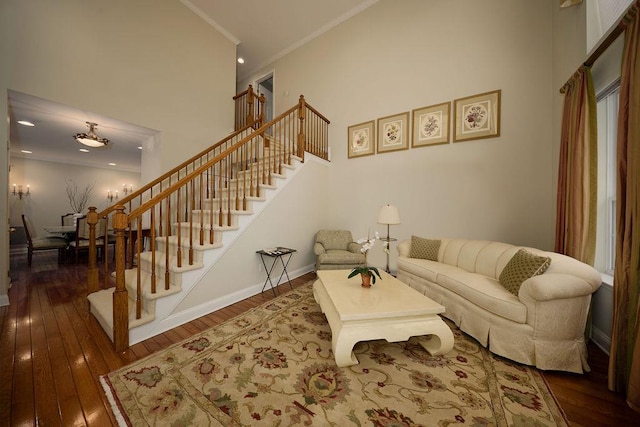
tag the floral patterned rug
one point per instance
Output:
(273, 366)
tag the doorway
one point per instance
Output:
(265, 87)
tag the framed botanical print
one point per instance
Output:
(477, 116)
(393, 133)
(431, 125)
(361, 139)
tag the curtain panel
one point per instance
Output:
(624, 361)
(577, 172)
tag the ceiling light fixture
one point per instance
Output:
(91, 139)
(25, 123)
(240, 60)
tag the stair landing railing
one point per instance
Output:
(188, 210)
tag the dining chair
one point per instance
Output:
(81, 242)
(43, 243)
(67, 219)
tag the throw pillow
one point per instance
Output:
(424, 248)
(520, 267)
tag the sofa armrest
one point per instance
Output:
(318, 248)
(354, 247)
(404, 248)
(547, 287)
(557, 306)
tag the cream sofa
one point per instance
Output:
(543, 325)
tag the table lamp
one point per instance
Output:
(388, 214)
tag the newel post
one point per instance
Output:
(120, 297)
(92, 273)
(301, 137)
(263, 101)
(250, 118)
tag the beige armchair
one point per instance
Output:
(336, 250)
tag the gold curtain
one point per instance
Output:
(577, 173)
(624, 361)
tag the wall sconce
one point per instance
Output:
(19, 191)
(111, 196)
(126, 190)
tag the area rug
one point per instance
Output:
(273, 366)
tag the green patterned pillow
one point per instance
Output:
(520, 267)
(424, 248)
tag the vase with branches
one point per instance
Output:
(78, 197)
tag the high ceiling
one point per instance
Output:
(262, 30)
(55, 125)
(267, 30)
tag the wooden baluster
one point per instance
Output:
(179, 225)
(152, 248)
(211, 199)
(301, 116)
(238, 162)
(167, 273)
(229, 185)
(120, 297)
(247, 166)
(192, 204)
(200, 206)
(92, 272)
(138, 223)
(220, 192)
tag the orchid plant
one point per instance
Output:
(365, 246)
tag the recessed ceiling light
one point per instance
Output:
(240, 60)
(26, 151)
(112, 164)
(140, 147)
(25, 123)
(84, 150)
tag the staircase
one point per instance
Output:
(193, 214)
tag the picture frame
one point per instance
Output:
(477, 116)
(361, 139)
(431, 125)
(393, 133)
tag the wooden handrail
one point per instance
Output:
(199, 195)
(173, 171)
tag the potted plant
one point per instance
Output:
(368, 274)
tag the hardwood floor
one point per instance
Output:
(52, 353)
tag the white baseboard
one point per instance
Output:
(601, 339)
(188, 315)
(4, 300)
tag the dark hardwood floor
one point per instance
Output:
(52, 353)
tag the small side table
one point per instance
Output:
(276, 254)
(388, 240)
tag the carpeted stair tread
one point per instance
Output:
(101, 306)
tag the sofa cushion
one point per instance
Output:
(521, 267)
(424, 268)
(424, 248)
(484, 292)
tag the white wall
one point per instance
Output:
(291, 220)
(48, 180)
(400, 55)
(153, 63)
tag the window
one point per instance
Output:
(607, 110)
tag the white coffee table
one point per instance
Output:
(389, 309)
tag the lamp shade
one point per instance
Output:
(388, 214)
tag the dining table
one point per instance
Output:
(61, 229)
